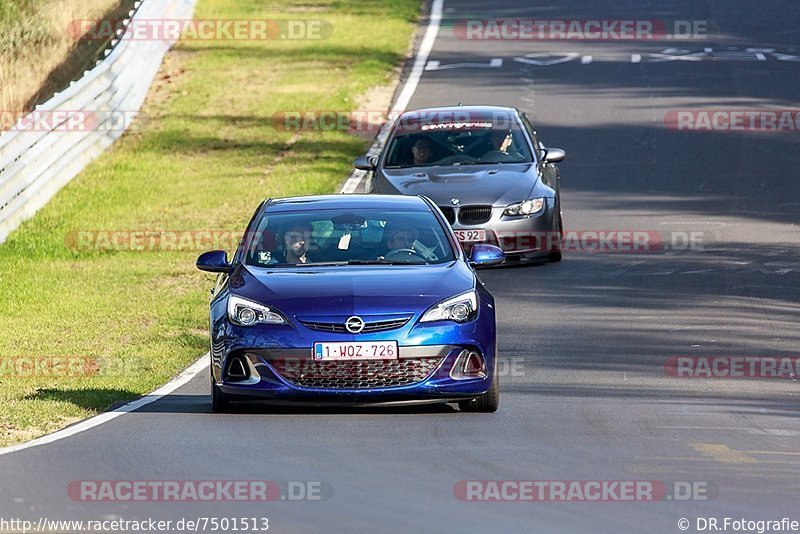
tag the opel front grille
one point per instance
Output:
(356, 374)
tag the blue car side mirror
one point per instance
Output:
(485, 255)
(215, 261)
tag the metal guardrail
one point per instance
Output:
(35, 163)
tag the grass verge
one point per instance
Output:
(83, 329)
(40, 52)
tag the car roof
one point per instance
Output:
(465, 109)
(322, 202)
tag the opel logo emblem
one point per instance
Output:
(354, 324)
(455, 201)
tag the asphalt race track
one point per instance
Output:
(584, 343)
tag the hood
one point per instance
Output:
(352, 290)
(498, 185)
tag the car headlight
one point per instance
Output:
(246, 312)
(460, 309)
(526, 207)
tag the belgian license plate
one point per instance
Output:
(467, 236)
(355, 350)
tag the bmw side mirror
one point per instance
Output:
(215, 261)
(485, 255)
(366, 163)
(553, 155)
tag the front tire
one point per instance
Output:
(555, 252)
(489, 402)
(219, 404)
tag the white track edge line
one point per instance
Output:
(410, 87)
(193, 370)
(182, 379)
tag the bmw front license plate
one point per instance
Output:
(352, 350)
(468, 236)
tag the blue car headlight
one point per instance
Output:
(526, 207)
(245, 312)
(461, 308)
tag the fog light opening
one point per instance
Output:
(468, 365)
(237, 369)
(474, 364)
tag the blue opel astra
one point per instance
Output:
(352, 300)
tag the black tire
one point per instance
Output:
(555, 252)
(486, 403)
(219, 404)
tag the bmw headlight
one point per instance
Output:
(246, 312)
(526, 207)
(460, 309)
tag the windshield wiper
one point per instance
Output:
(383, 262)
(316, 264)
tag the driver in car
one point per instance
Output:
(422, 151)
(401, 237)
(403, 242)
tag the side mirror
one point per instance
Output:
(553, 155)
(485, 255)
(215, 261)
(366, 163)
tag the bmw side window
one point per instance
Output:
(534, 139)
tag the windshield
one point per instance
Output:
(472, 142)
(347, 237)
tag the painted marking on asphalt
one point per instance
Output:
(410, 87)
(777, 432)
(760, 471)
(722, 453)
(778, 453)
(546, 60)
(184, 378)
(786, 57)
(436, 65)
(422, 57)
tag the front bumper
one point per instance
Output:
(527, 238)
(280, 367)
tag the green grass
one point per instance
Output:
(202, 157)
